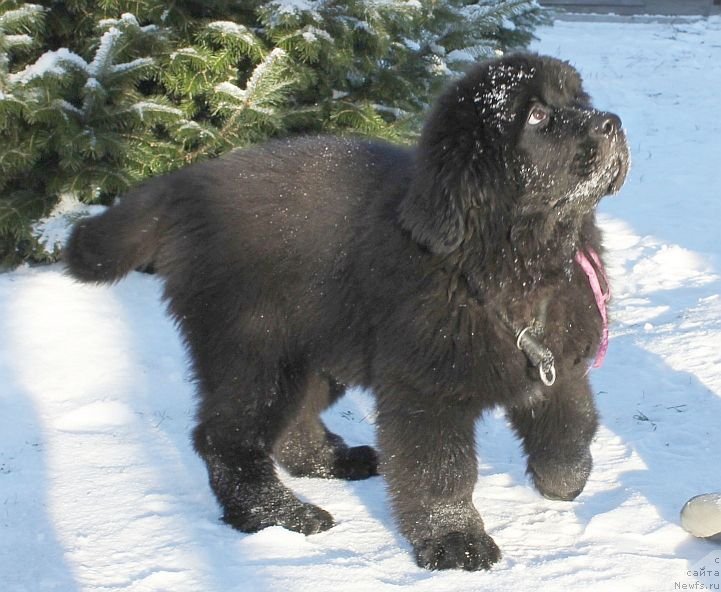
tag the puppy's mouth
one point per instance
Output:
(619, 171)
(602, 174)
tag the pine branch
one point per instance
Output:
(27, 18)
(138, 94)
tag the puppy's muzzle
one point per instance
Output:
(607, 129)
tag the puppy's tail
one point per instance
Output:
(104, 248)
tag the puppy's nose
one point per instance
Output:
(605, 124)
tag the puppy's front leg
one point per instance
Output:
(429, 461)
(557, 432)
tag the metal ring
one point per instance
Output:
(520, 336)
(544, 378)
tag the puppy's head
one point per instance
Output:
(515, 138)
(570, 154)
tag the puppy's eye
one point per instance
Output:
(537, 115)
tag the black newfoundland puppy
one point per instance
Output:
(448, 279)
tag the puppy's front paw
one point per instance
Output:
(458, 550)
(561, 479)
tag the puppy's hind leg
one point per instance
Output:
(235, 437)
(307, 448)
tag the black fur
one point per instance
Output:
(299, 266)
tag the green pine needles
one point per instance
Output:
(96, 96)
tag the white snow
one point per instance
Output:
(52, 232)
(131, 65)
(15, 40)
(105, 53)
(128, 20)
(100, 488)
(228, 27)
(186, 51)
(234, 30)
(294, 6)
(14, 16)
(230, 89)
(68, 107)
(414, 5)
(50, 63)
(143, 107)
(312, 34)
(247, 96)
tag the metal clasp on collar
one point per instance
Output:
(538, 354)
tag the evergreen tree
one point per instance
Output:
(95, 96)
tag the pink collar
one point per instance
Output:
(592, 268)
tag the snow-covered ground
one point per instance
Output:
(100, 489)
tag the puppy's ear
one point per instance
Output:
(434, 209)
(432, 213)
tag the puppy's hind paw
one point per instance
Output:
(458, 550)
(300, 517)
(357, 462)
(308, 519)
